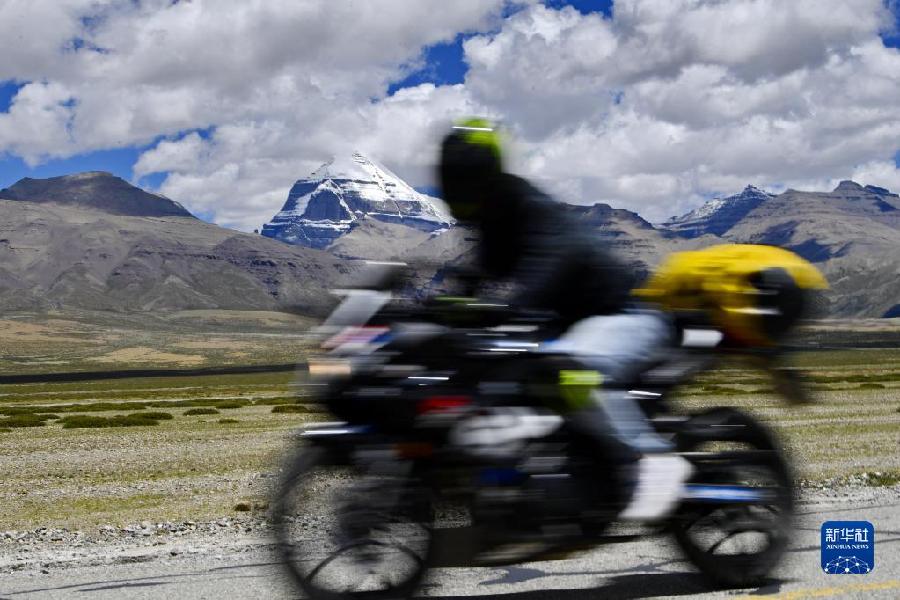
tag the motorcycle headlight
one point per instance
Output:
(324, 368)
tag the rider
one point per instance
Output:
(529, 240)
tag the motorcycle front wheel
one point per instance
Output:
(349, 531)
(736, 520)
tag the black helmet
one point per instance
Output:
(470, 165)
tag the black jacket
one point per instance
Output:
(550, 259)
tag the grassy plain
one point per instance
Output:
(853, 426)
(70, 342)
(191, 467)
(204, 466)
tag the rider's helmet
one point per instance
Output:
(471, 163)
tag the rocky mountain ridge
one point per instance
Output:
(717, 216)
(61, 250)
(95, 190)
(93, 241)
(720, 215)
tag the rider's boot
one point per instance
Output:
(660, 480)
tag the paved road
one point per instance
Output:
(642, 569)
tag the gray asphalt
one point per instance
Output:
(648, 568)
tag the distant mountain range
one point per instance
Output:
(721, 215)
(93, 241)
(851, 233)
(95, 190)
(717, 216)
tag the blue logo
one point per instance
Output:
(848, 547)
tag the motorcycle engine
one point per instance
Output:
(540, 498)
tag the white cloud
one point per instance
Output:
(881, 173)
(653, 109)
(671, 100)
(39, 118)
(544, 70)
(38, 33)
(754, 38)
(183, 155)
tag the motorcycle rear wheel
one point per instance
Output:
(736, 544)
(344, 533)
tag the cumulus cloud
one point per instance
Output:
(655, 108)
(882, 173)
(37, 33)
(38, 119)
(669, 101)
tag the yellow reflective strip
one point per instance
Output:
(580, 377)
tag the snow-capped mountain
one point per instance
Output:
(718, 215)
(342, 193)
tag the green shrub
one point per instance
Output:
(84, 421)
(155, 415)
(36, 415)
(201, 411)
(879, 479)
(101, 407)
(130, 420)
(871, 386)
(290, 408)
(66, 408)
(24, 421)
(228, 421)
(27, 410)
(202, 403)
(229, 403)
(135, 420)
(184, 403)
(43, 415)
(19, 410)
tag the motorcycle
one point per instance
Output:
(453, 449)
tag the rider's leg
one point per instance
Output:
(616, 346)
(618, 458)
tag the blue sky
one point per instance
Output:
(118, 160)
